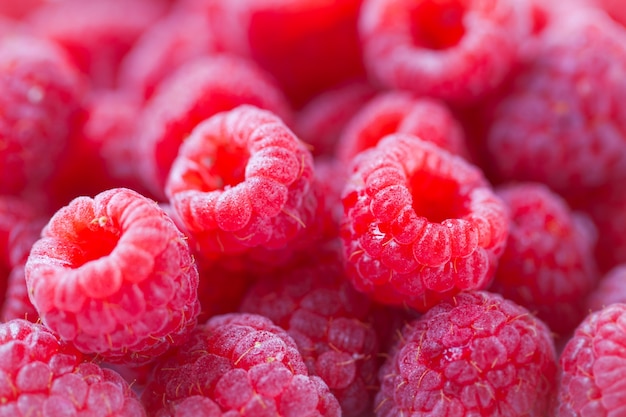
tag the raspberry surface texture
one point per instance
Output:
(331, 323)
(419, 224)
(42, 376)
(238, 364)
(475, 354)
(242, 180)
(195, 91)
(113, 275)
(591, 382)
(453, 50)
(548, 264)
(560, 118)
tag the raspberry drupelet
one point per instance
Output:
(454, 50)
(548, 264)
(476, 354)
(113, 275)
(419, 224)
(592, 363)
(611, 289)
(42, 376)
(242, 180)
(237, 365)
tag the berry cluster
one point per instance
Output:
(294, 208)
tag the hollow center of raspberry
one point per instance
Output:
(95, 244)
(438, 24)
(436, 199)
(228, 166)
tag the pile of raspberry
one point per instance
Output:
(302, 208)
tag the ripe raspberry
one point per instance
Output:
(548, 264)
(476, 354)
(195, 91)
(612, 289)
(239, 364)
(592, 364)
(420, 224)
(175, 39)
(401, 112)
(563, 114)
(329, 321)
(17, 304)
(41, 376)
(114, 276)
(242, 180)
(40, 95)
(100, 34)
(452, 50)
(308, 46)
(320, 122)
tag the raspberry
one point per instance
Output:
(400, 112)
(559, 119)
(452, 50)
(41, 376)
(175, 39)
(242, 363)
(195, 91)
(114, 276)
(548, 264)
(17, 304)
(320, 122)
(592, 382)
(330, 322)
(242, 180)
(476, 354)
(420, 224)
(40, 95)
(307, 45)
(100, 34)
(612, 289)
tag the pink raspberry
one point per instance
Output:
(40, 99)
(419, 223)
(194, 92)
(401, 112)
(237, 364)
(548, 264)
(563, 113)
(330, 322)
(592, 364)
(475, 354)
(114, 276)
(457, 51)
(176, 38)
(242, 180)
(100, 34)
(41, 376)
(611, 289)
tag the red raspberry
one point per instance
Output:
(476, 354)
(175, 39)
(612, 289)
(242, 180)
(400, 112)
(548, 264)
(100, 34)
(195, 91)
(307, 45)
(40, 95)
(563, 114)
(114, 276)
(41, 376)
(320, 122)
(592, 363)
(330, 322)
(420, 224)
(17, 304)
(453, 50)
(237, 364)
